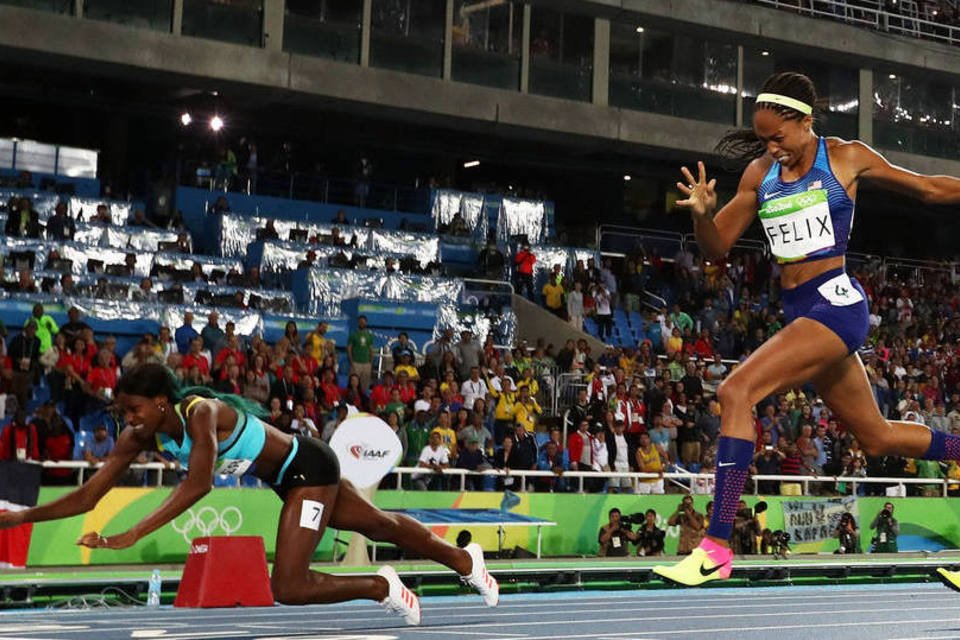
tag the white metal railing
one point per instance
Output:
(582, 476)
(579, 476)
(911, 21)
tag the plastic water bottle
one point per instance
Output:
(153, 591)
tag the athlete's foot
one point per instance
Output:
(400, 599)
(949, 578)
(479, 578)
(709, 561)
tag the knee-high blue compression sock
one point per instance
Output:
(734, 456)
(943, 446)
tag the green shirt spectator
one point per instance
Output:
(360, 345)
(46, 327)
(681, 320)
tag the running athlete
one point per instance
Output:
(802, 187)
(223, 434)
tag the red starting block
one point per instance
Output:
(225, 571)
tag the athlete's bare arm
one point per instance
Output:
(85, 498)
(716, 234)
(869, 165)
(202, 428)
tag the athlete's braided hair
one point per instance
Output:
(743, 145)
(153, 379)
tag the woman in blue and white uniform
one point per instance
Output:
(211, 434)
(803, 188)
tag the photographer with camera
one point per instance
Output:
(614, 536)
(746, 529)
(649, 537)
(887, 528)
(691, 526)
(848, 535)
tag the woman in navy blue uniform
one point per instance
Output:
(211, 433)
(802, 187)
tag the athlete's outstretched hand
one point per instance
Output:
(96, 541)
(701, 198)
(9, 519)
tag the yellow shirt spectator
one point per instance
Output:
(554, 295)
(525, 412)
(409, 368)
(448, 437)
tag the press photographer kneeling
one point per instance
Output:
(615, 536)
(887, 528)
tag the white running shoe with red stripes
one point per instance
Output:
(479, 578)
(400, 599)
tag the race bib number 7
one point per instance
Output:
(799, 225)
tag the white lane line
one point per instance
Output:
(711, 616)
(716, 630)
(485, 634)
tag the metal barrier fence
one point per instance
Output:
(705, 480)
(915, 19)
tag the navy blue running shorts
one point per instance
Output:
(834, 300)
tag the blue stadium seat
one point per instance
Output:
(541, 438)
(83, 438)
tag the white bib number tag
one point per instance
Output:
(799, 225)
(232, 467)
(839, 291)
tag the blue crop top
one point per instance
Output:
(809, 218)
(235, 455)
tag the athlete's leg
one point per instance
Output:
(796, 354)
(791, 357)
(846, 390)
(303, 519)
(353, 512)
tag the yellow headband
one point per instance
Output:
(793, 103)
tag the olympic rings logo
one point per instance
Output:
(207, 521)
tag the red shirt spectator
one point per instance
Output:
(18, 440)
(102, 378)
(196, 360)
(525, 261)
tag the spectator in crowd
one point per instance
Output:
(553, 298)
(24, 354)
(434, 457)
(57, 444)
(61, 226)
(575, 306)
(524, 261)
(23, 221)
(360, 352)
(650, 537)
(523, 455)
(604, 311)
(185, 333)
(618, 450)
(448, 437)
(614, 538)
(552, 458)
(471, 458)
(650, 459)
(213, 336)
(691, 523)
(46, 327)
(491, 262)
(19, 439)
(97, 449)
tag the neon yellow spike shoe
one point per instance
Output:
(709, 561)
(949, 578)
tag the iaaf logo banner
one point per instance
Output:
(365, 452)
(367, 449)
